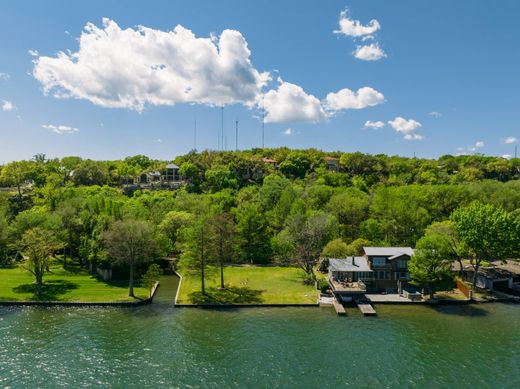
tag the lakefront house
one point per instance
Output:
(380, 269)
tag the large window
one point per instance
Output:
(378, 261)
(402, 264)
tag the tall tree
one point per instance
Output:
(196, 239)
(222, 241)
(172, 223)
(489, 231)
(431, 262)
(253, 234)
(131, 242)
(38, 245)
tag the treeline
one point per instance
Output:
(258, 206)
(216, 170)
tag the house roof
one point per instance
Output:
(269, 160)
(393, 252)
(171, 166)
(331, 159)
(352, 264)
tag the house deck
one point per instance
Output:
(366, 309)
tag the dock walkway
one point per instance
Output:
(340, 309)
(366, 309)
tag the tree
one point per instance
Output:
(431, 262)
(252, 234)
(308, 235)
(172, 223)
(196, 239)
(448, 230)
(222, 243)
(489, 231)
(16, 174)
(336, 248)
(131, 242)
(151, 276)
(38, 245)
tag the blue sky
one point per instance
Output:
(457, 59)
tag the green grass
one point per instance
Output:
(249, 285)
(71, 284)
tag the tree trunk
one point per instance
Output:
(461, 267)
(222, 275)
(39, 283)
(202, 265)
(432, 292)
(131, 281)
(476, 267)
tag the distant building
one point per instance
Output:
(171, 173)
(499, 276)
(380, 269)
(332, 164)
(168, 178)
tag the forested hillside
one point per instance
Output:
(271, 205)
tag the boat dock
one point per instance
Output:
(366, 309)
(340, 309)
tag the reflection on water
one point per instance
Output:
(158, 345)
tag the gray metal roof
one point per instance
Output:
(171, 166)
(388, 251)
(352, 264)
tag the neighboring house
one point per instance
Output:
(171, 173)
(380, 269)
(332, 164)
(499, 276)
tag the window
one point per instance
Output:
(378, 261)
(402, 264)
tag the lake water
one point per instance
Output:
(160, 346)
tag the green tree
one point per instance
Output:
(336, 248)
(151, 276)
(431, 262)
(131, 242)
(172, 223)
(253, 235)
(38, 245)
(222, 241)
(490, 232)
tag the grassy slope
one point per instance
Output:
(249, 284)
(72, 284)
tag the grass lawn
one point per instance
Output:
(72, 284)
(248, 285)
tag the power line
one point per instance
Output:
(222, 124)
(236, 135)
(263, 122)
(195, 135)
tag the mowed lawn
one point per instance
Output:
(248, 285)
(73, 284)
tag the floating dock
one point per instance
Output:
(340, 309)
(366, 309)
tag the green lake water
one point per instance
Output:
(161, 346)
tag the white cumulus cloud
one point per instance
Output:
(130, 68)
(355, 28)
(435, 114)
(7, 106)
(33, 53)
(61, 130)
(290, 103)
(348, 99)
(374, 125)
(370, 52)
(510, 140)
(288, 131)
(4, 76)
(406, 127)
(479, 144)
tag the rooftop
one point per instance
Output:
(352, 264)
(171, 166)
(388, 251)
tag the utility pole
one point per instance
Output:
(236, 135)
(222, 124)
(195, 135)
(263, 122)
(516, 149)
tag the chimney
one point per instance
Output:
(354, 261)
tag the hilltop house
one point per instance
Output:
(332, 164)
(380, 269)
(169, 177)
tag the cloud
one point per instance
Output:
(347, 99)
(407, 127)
(33, 53)
(507, 156)
(61, 130)
(290, 103)
(471, 149)
(7, 106)
(435, 114)
(479, 144)
(4, 76)
(374, 125)
(131, 68)
(510, 140)
(370, 52)
(288, 131)
(354, 28)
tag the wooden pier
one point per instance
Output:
(340, 309)
(366, 309)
